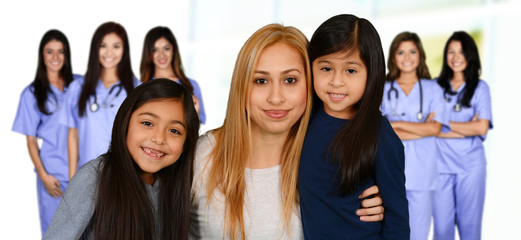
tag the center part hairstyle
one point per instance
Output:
(92, 76)
(40, 84)
(354, 147)
(471, 72)
(422, 71)
(233, 147)
(123, 209)
(147, 67)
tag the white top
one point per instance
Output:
(262, 206)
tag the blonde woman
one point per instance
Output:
(245, 179)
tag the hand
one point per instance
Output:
(430, 117)
(196, 103)
(52, 185)
(372, 209)
(475, 118)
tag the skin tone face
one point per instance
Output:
(278, 95)
(455, 58)
(407, 57)
(53, 56)
(110, 51)
(156, 135)
(163, 53)
(339, 81)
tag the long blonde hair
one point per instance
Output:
(233, 139)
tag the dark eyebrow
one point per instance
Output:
(348, 62)
(155, 116)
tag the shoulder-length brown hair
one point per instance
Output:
(233, 139)
(422, 72)
(147, 67)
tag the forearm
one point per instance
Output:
(72, 151)
(472, 128)
(422, 129)
(405, 135)
(34, 153)
(450, 135)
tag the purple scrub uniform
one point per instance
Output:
(53, 151)
(461, 193)
(421, 155)
(94, 127)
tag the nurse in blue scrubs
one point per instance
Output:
(161, 59)
(92, 102)
(414, 105)
(461, 194)
(37, 118)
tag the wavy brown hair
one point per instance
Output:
(422, 71)
(147, 67)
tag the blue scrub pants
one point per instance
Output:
(459, 202)
(47, 204)
(420, 213)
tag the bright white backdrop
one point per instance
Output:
(210, 35)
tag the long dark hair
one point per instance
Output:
(123, 209)
(40, 84)
(147, 67)
(354, 146)
(471, 72)
(422, 71)
(125, 74)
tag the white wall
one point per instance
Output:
(210, 35)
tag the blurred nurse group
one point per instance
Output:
(442, 122)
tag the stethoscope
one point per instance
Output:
(457, 107)
(106, 103)
(419, 115)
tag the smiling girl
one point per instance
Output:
(140, 188)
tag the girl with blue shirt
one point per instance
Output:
(461, 183)
(413, 104)
(37, 118)
(349, 145)
(92, 102)
(161, 59)
(140, 188)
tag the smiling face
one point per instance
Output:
(278, 94)
(110, 51)
(407, 57)
(339, 81)
(156, 135)
(53, 55)
(162, 54)
(455, 57)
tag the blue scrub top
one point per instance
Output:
(31, 122)
(94, 128)
(199, 95)
(466, 154)
(421, 155)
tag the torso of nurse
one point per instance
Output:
(31, 122)
(94, 127)
(262, 203)
(326, 213)
(460, 155)
(421, 155)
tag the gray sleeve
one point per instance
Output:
(77, 205)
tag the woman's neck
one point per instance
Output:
(457, 80)
(167, 73)
(109, 77)
(55, 80)
(266, 150)
(407, 81)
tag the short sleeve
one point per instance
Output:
(28, 116)
(198, 94)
